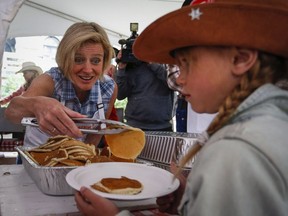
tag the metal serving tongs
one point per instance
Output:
(89, 125)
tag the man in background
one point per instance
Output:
(150, 100)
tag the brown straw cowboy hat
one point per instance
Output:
(255, 24)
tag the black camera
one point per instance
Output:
(126, 46)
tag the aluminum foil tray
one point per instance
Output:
(160, 149)
(163, 147)
(50, 180)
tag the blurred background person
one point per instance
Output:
(181, 103)
(149, 99)
(110, 71)
(30, 71)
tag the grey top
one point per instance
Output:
(243, 168)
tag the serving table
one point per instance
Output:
(19, 196)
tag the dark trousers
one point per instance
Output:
(181, 115)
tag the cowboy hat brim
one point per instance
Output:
(256, 25)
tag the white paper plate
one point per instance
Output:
(156, 181)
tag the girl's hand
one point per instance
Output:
(92, 204)
(169, 203)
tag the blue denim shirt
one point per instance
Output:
(65, 93)
(243, 168)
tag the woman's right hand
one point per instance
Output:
(55, 119)
(37, 101)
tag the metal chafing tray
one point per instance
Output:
(50, 180)
(163, 147)
(160, 149)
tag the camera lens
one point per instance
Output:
(122, 41)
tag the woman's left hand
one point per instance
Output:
(92, 204)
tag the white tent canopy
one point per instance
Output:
(8, 10)
(53, 17)
(21, 18)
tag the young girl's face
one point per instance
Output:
(206, 76)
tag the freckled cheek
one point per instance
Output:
(193, 82)
(76, 69)
(198, 88)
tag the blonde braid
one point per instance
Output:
(267, 69)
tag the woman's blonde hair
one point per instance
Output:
(77, 35)
(267, 69)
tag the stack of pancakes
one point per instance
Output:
(66, 151)
(63, 150)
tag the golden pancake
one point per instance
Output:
(99, 159)
(117, 159)
(126, 145)
(121, 185)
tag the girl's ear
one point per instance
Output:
(244, 59)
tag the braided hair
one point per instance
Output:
(267, 69)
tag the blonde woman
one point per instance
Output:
(76, 88)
